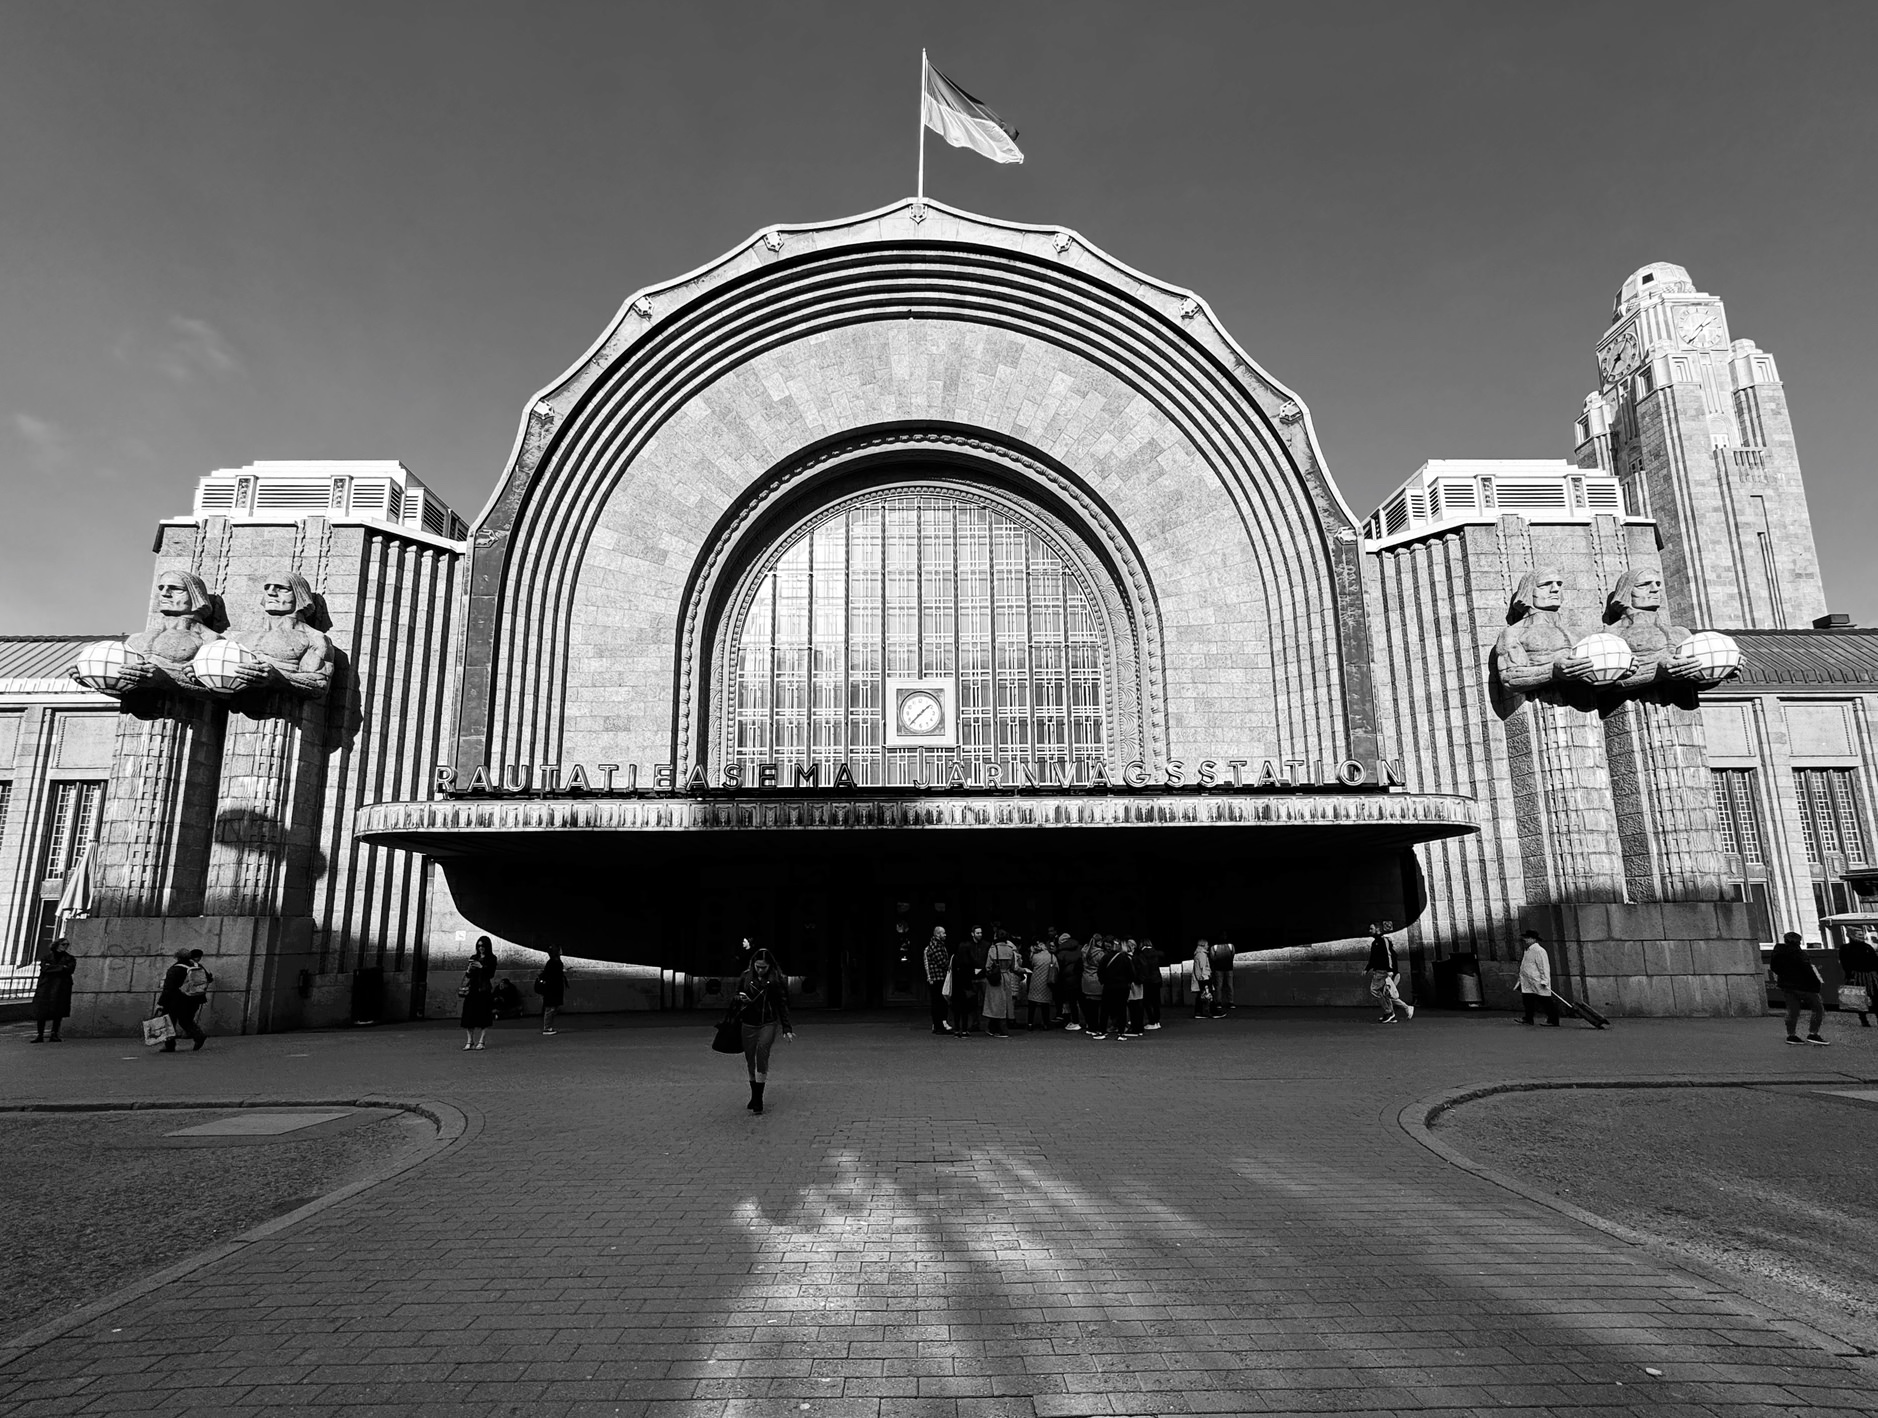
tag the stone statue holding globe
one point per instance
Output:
(160, 656)
(1536, 652)
(284, 652)
(1665, 653)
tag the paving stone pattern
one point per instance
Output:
(1224, 1218)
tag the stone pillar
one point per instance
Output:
(266, 821)
(1567, 825)
(1665, 809)
(152, 855)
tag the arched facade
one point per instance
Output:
(1016, 366)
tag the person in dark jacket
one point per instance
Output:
(479, 994)
(1799, 980)
(1224, 954)
(1857, 958)
(174, 1001)
(1118, 977)
(964, 991)
(1068, 981)
(762, 1006)
(1148, 962)
(52, 992)
(551, 985)
(1385, 974)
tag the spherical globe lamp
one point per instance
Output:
(102, 665)
(218, 664)
(1611, 659)
(1717, 654)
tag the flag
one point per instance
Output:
(964, 122)
(75, 898)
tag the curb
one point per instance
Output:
(456, 1124)
(1416, 1119)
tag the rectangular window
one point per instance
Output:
(74, 824)
(1829, 814)
(1737, 804)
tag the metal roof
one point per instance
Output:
(1808, 659)
(42, 656)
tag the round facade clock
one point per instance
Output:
(1698, 326)
(921, 713)
(1619, 357)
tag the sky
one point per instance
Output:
(253, 230)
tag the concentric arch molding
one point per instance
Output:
(1238, 427)
(528, 826)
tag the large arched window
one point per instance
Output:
(917, 583)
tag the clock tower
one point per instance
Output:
(1696, 428)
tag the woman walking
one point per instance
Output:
(551, 985)
(762, 1007)
(479, 994)
(52, 992)
(174, 1001)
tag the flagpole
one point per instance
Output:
(920, 194)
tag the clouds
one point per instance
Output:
(186, 351)
(48, 446)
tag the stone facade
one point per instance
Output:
(1184, 692)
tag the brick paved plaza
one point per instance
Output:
(1227, 1217)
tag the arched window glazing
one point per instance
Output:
(919, 584)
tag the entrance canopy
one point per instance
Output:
(843, 877)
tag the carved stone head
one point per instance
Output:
(286, 593)
(1638, 589)
(182, 593)
(1542, 589)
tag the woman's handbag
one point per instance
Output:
(1855, 999)
(158, 1029)
(729, 1036)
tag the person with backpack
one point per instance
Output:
(175, 1001)
(1000, 977)
(1118, 978)
(1040, 987)
(1800, 981)
(551, 985)
(1203, 1003)
(1093, 954)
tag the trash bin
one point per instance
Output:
(368, 994)
(1467, 980)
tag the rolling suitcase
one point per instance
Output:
(1583, 1011)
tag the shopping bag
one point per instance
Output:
(946, 988)
(1855, 999)
(729, 1036)
(158, 1030)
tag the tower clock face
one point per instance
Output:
(921, 714)
(1699, 326)
(1620, 357)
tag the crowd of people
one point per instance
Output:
(1108, 987)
